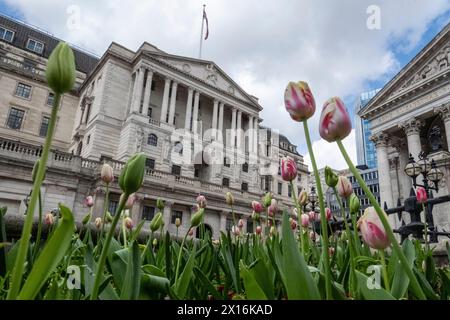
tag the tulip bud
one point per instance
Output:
(229, 198)
(354, 203)
(267, 199)
(241, 223)
(421, 195)
(299, 101)
(156, 222)
(258, 230)
(98, 222)
(49, 219)
(302, 198)
(328, 214)
(130, 201)
(288, 169)
(312, 216)
(177, 222)
(272, 231)
(132, 175)
(235, 230)
(312, 235)
(295, 213)
(304, 220)
(331, 179)
(86, 219)
(335, 123)
(155, 242)
(197, 217)
(107, 174)
(344, 187)
(273, 208)
(60, 72)
(160, 204)
(89, 201)
(201, 201)
(128, 223)
(293, 224)
(372, 230)
(257, 207)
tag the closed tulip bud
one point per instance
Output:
(229, 198)
(272, 231)
(155, 242)
(156, 222)
(372, 230)
(312, 216)
(421, 195)
(86, 219)
(132, 175)
(98, 222)
(354, 203)
(107, 174)
(302, 197)
(241, 223)
(177, 222)
(128, 223)
(304, 220)
(295, 213)
(130, 201)
(335, 123)
(267, 199)
(258, 230)
(257, 207)
(331, 179)
(344, 187)
(328, 214)
(293, 224)
(273, 208)
(312, 235)
(49, 219)
(288, 169)
(235, 230)
(160, 204)
(60, 72)
(197, 217)
(201, 201)
(89, 201)
(191, 232)
(299, 101)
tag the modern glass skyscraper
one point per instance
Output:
(365, 149)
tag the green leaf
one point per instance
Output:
(3, 260)
(154, 284)
(425, 285)
(400, 281)
(137, 230)
(252, 288)
(207, 283)
(131, 286)
(371, 293)
(50, 256)
(186, 276)
(153, 270)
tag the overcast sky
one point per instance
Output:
(262, 45)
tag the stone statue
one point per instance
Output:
(139, 139)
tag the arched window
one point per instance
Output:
(152, 139)
(178, 147)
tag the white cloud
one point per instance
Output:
(261, 44)
(328, 154)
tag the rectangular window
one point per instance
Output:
(6, 34)
(245, 167)
(177, 214)
(23, 90)
(176, 170)
(280, 187)
(149, 112)
(250, 226)
(226, 162)
(244, 186)
(150, 163)
(15, 118)
(153, 85)
(113, 206)
(88, 112)
(225, 182)
(44, 126)
(50, 99)
(35, 46)
(196, 172)
(148, 213)
(228, 224)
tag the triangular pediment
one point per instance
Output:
(432, 62)
(208, 72)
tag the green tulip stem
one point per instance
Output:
(234, 221)
(124, 232)
(179, 256)
(395, 246)
(149, 242)
(17, 273)
(299, 213)
(104, 253)
(323, 220)
(105, 209)
(384, 270)
(39, 230)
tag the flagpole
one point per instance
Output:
(201, 34)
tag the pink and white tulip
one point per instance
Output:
(235, 230)
(299, 101)
(130, 201)
(304, 220)
(49, 219)
(107, 174)
(128, 223)
(98, 222)
(201, 201)
(421, 195)
(288, 169)
(335, 123)
(328, 214)
(257, 207)
(258, 230)
(273, 208)
(344, 187)
(89, 201)
(241, 223)
(372, 230)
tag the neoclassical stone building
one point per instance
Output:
(412, 114)
(199, 129)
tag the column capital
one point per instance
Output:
(412, 126)
(444, 111)
(167, 79)
(380, 139)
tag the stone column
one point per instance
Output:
(444, 112)
(99, 204)
(148, 90)
(173, 101)
(223, 220)
(214, 119)
(136, 210)
(165, 101)
(239, 129)
(220, 124)
(255, 135)
(187, 119)
(137, 94)
(195, 114)
(412, 130)
(167, 214)
(403, 159)
(233, 128)
(250, 134)
(381, 143)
